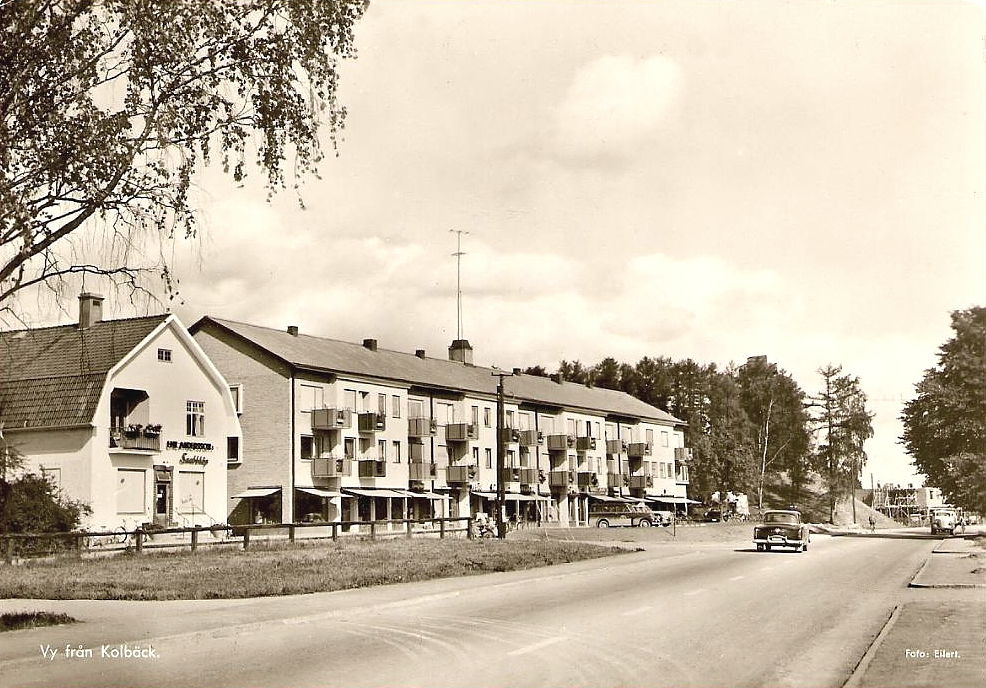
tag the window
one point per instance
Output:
(53, 476)
(525, 457)
(598, 434)
(164, 355)
(350, 399)
(233, 449)
(397, 451)
(475, 456)
(475, 416)
(489, 458)
(508, 419)
(664, 438)
(310, 397)
(191, 492)
(649, 437)
(571, 426)
(487, 421)
(523, 421)
(662, 469)
(195, 418)
(236, 391)
(588, 428)
(382, 450)
(307, 447)
(395, 406)
(610, 431)
(415, 408)
(130, 489)
(364, 402)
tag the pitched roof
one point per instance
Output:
(53, 376)
(305, 352)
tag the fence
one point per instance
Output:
(101, 543)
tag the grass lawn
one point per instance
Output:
(18, 620)
(282, 570)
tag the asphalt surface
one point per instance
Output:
(681, 613)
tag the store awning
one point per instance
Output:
(399, 494)
(318, 492)
(430, 495)
(607, 498)
(251, 492)
(669, 499)
(511, 496)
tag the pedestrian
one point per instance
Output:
(872, 523)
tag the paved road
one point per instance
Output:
(706, 615)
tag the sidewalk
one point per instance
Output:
(937, 637)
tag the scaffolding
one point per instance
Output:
(897, 502)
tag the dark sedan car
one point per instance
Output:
(782, 528)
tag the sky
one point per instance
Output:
(706, 180)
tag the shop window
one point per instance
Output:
(130, 491)
(191, 492)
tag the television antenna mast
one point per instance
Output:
(458, 279)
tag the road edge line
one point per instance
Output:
(856, 677)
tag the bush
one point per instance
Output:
(31, 504)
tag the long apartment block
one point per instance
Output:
(342, 431)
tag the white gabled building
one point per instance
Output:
(128, 415)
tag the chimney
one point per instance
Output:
(460, 351)
(370, 344)
(420, 353)
(293, 330)
(90, 310)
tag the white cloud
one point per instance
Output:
(615, 104)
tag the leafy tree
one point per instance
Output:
(840, 417)
(730, 461)
(945, 424)
(773, 402)
(109, 107)
(574, 372)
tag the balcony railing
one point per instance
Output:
(531, 438)
(616, 447)
(331, 419)
(560, 478)
(587, 479)
(509, 435)
(461, 432)
(331, 467)
(422, 427)
(372, 468)
(140, 437)
(585, 444)
(528, 476)
(561, 442)
(418, 451)
(637, 450)
(682, 453)
(613, 479)
(422, 471)
(460, 474)
(639, 482)
(372, 422)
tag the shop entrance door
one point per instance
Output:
(162, 503)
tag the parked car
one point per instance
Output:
(664, 518)
(781, 528)
(943, 521)
(606, 514)
(714, 515)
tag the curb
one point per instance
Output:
(856, 678)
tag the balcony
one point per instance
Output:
(331, 468)
(418, 451)
(561, 442)
(616, 447)
(422, 427)
(639, 482)
(331, 419)
(461, 432)
(587, 479)
(560, 479)
(510, 475)
(372, 422)
(528, 476)
(509, 435)
(613, 480)
(139, 437)
(682, 453)
(636, 450)
(422, 471)
(531, 438)
(585, 444)
(460, 474)
(372, 468)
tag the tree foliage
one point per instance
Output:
(109, 107)
(29, 503)
(843, 424)
(945, 424)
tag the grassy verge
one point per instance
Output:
(283, 570)
(17, 620)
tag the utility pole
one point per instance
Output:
(458, 279)
(501, 453)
